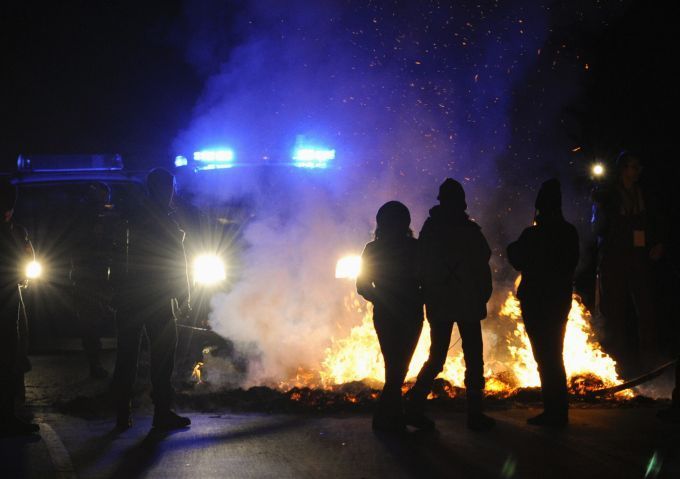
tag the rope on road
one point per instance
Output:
(58, 453)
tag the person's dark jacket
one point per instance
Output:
(453, 266)
(152, 262)
(388, 278)
(15, 252)
(614, 226)
(546, 254)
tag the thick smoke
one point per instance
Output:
(407, 93)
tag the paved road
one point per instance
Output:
(600, 443)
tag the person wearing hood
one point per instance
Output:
(632, 232)
(15, 252)
(388, 280)
(151, 273)
(546, 254)
(453, 266)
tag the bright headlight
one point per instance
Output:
(348, 267)
(33, 270)
(598, 170)
(209, 269)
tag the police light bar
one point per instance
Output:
(214, 159)
(66, 163)
(306, 157)
(181, 161)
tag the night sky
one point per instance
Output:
(131, 77)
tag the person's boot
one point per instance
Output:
(550, 420)
(388, 424)
(671, 414)
(414, 414)
(10, 424)
(166, 419)
(123, 415)
(476, 419)
(97, 371)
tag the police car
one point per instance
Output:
(53, 192)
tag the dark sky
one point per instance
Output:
(83, 76)
(86, 77)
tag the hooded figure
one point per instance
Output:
(388, 281)
(631, 232)
(152, 272)
(547, 254)
(15, 252)
(453, 266)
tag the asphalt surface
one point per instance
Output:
(602, 441)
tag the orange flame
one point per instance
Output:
(196, 373)
(357, 357)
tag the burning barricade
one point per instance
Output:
(351, 374)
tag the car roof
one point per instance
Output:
(61, 177)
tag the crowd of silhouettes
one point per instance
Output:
(447, 271)
(145, 269)
(443, 277)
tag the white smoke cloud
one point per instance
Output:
(349, 76)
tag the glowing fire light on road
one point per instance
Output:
(196, 373)
(348, 267)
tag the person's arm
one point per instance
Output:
(599, 220)
(364, 282)
(519, 251)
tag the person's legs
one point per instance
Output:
(440, 338)
(640, 287)
(473, 352)
(88, 315)
(614, 300)
(162, 334)
(129, 333)
(10, 424)
(398, 339)
(546, 325)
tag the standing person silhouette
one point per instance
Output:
(546, 254)
(631, 231)
(388, 281)
(151, 272)
(453, 265)
(15, 251)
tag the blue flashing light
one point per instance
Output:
(181, 161)
(306, 157)
(214, 159)
(214, 156)
(213, 166)
(69, 163)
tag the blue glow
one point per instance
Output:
(181, 161)
(214, 159)
(306, 157)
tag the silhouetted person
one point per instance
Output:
(546, 254)
(630, 234)
(672, 414)
(90, 265)
(15, 252)
(388, 281)
(453, 266)
(152, 273)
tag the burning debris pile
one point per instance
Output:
(350, 377)
(357, 357)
